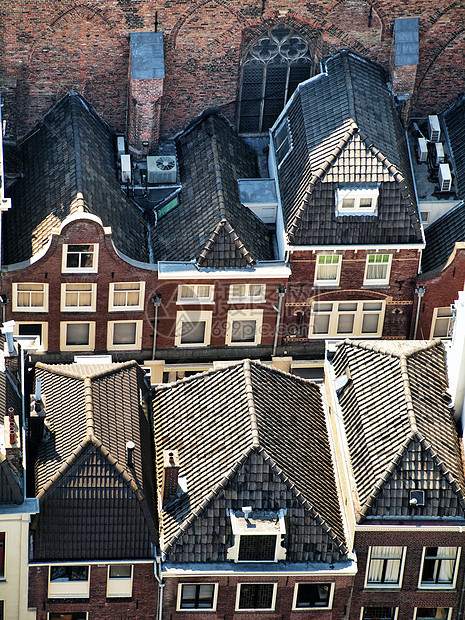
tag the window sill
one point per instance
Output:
(191, 346)
(247, 300)
(195, 302)
(29, 310)
(382, 586)
(447, 586)
(376, 285)
(334, 285)
(79, 310)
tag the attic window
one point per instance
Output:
(257, 536)
(282, 141)
(357, 201)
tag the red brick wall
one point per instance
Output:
(49, 48)
(142, 605)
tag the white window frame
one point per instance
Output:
(14, 293)
(247, 298)
(137, 346)
(81, 347)
(396, 609)
(449, 611)
(436, 318)
(93, 293)
(68, 588)
(244, 315)
(197, 609)
(112, 307)
(315, 583)
(44, 338)
(358, 320)
(440, 586)
(381, 584)
(93, 269)
(119, 586)
(357, 194)
(193, 316)
(376, 282)
(256, 583)
(196, 299)
(322, 282)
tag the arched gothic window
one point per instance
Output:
(274, 66)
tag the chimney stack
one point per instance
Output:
(130, 452)
(169, 487)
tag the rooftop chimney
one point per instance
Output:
(169, 486)
(130, 453)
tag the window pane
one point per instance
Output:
(188, 596)
(120, 571)
(256, 596)
(313, 595)
(32, 329)
(37, 300)
(187, 292)
(197, 596)
(423, 613)
(206, 596)
(255, 290)
(345, 323)
(238, 290)
(256, 548)
(321, 324)
(124, 333)
(193, 332)
(243, 331)
(348, 203)
(203, 291)
(379, 613)
(370, 323)
(77, 334)
(132, 298)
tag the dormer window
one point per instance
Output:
(257, 536)
(357, 201)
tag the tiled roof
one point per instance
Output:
(346, 132)
(210, 224)
(400, 431)
(454, 118)
(442, 236)
(247, 435)
(69, 166)
(92, 504)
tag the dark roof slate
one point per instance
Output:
(441, 237)
(400, 431)
(92, 505)
(68, 167)
(210, 224)
(454, 118)
(246, 433)
(345, 130)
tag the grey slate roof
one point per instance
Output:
(454, 118)
(210, 224)
(92, 505)
(441, 237)
(346, 132)
(69, 166)
(247, 435)
(400, 431)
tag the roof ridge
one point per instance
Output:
(63, 372)
(213, 237)
(251, 402)
(88, 407)
(67, 463)
(407, 392)
(76, 145)
(197, 376)
(217, 168)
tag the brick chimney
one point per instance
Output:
(146, 76)
(404, 60)
(169, 485)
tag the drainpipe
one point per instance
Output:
(281, 290)
(420, 291)
(156, 300)
(161, 585)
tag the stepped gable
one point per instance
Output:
(69, 167)
(247, 435)
(400, 429)
(210, 225)
(93, 505)
(345, 132)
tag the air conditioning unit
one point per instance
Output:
(439, 153)
(422, 150)
(125, 169)
(161, 169)
(434, 128)
(120, 146)
(445, 178)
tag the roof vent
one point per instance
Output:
(417, 498)
(246, 510)
(130, 446)
(161, 169)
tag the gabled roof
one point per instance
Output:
(400, 430)
(93, 505)
(441, 237)
(68, 167)
(248, 423)
(210, 224)
(345, 131)
(454, 118)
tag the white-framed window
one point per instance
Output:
(328, 269)
(441, 323)
(33, 328)
(80, 258)
(439, 567)
(385, 567)
(313, 596)
(425, 613)
(256, 596)
(257, 536)
(126, 296)
(195, 294)
(193, 328)
(363, 319)
(78, 297)
(379, 613)
(124, 335)
(244, 327)
(30, 297)
(197, 596)
(378, 269)
(356, 201)
(119, 580)
(247, 293)
(282, 140)
(77, 336)
(68, 581)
